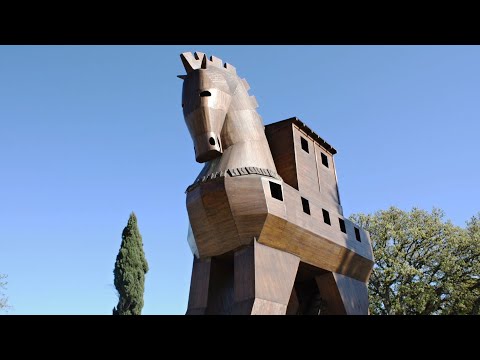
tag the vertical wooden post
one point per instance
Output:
(198, 299)
(343, 295)
(263, 280)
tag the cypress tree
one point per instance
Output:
(130, 269)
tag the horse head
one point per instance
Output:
(208, 88)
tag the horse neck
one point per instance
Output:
(242, 123)
(243, 135)
(243, 138)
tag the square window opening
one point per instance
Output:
(357, 234)
(326, 217)
(276, 190)
(306, 206)
(324, 160)
(304, 144)
(342, 225)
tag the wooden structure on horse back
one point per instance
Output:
(266, 224)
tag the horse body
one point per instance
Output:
(256, 249)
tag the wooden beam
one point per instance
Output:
(264, 280)
(198, 298)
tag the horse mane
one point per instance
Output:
(200, 60)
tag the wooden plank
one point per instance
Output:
(330, 294)
(293, 304)
(343, 295)
(224, 219)
(354, 294)
(264, 280)
(220, 292)
(211, 219)
(275, 273)
(246, 197)
(198, 298)
(327, 179)
(315, 242)
(265, 307)
(244, 270)
(281, 145)
(232, 203)
(307, 175)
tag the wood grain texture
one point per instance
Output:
(265, 307)
(280, 140)
(225, 124)
(229, 212)
(211, 219)
(303, 170)
(230, 204)
(327, 180)
(293, 304)
(275, 273)
(264, 280)
(289, 229)
(330, 293)
(354, 294)
(248, 206)
(244, 275)
(343, 295)
(198, 298)
(312, 134)
(306, 164)
(220, 290)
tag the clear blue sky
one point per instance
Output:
(90, 133)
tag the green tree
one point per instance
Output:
(3, 298)
(423, 264)
(130, 269)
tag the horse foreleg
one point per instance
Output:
(263, 280)
(198, 299)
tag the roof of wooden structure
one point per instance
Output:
(307, 130)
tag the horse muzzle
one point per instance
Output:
(207, 147)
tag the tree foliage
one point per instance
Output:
(423, 264)
(3, 298)
(130, 269)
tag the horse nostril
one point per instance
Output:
(211, 141)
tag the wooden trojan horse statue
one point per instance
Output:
(266, 224)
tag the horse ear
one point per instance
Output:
(189, 62)
(204, 62)
(181, 77)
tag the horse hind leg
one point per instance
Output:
(198, 298)
(343, 295)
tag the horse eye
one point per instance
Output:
(205, 93)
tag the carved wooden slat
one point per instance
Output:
(198, 299)
(264, 280)
(235, 199)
